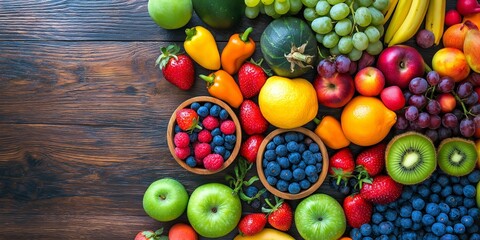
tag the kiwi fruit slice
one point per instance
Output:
(410, 158)
(457, 156)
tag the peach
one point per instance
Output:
(451, 62)
(447, 102)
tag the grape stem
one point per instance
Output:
(352, 11)
(465, 111)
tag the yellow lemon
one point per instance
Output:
(288, 103)
(366, 121)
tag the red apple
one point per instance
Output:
(369, 81)
(335, 91)
(447, 102)
(400, 64)
(393, 98)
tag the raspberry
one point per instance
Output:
(204, 136)
(201, 150)
(227, 127)
(210, 122)
(181, 139)
(213, 161)
(182, 153)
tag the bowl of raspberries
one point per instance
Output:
(204, 135)
(292, 163)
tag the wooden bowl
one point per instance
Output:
(171, 134)
(303, 193)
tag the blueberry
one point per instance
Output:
(301, 147)
(302, 164)
(454, 214)
(177, 128)
(294, 157)
(381, 207)
(382, 237)
(355, 234)
(391, 215)
(406, 211)
(286, 174)
(281, 150)
(256, 204)
(291, 137)
(251, 191)
(434, 198)
(218, 140)
(475, 236)
(444, 207)
(305, 184)
(432, 209)
(307, 156)
(319, 167)
(273, 169)
(311, 170)
(216, 131)
(282, 185)
(208, 105)
(423, 191)
(318, 156)
(385, 228)
(469, 191)
(223, 114)
(227, 154)
(474, 177)
(271, 145)
(377, 218)
(473, 229)
(270, 155)
(459, 228)
(417, 216)
(278, 139)
(230, 138)
(215, 110)
(272, 180)
(191, 162)
(313, 147)
(454, 179)
(298, 174)
(449, 237)
(195, 105)
(313, 179)
(442, 218)
(219, 150)
(367, 238)
(407, 194)
(446, 191)
(264, 163)
(366, 229)
(375, 230)
(408, 236)
(438, 229)
(469, 202)
(292, 146)
(443, 180)
(393, 205)
(418, 204)
(406, 223)
(436, 187)
(464, 181)
(451, 201)
(344, 189)
(203, 111)
(294, 188)
(300, 136)
(463, 210)
(474, 212)
(430, 236)
(457, 189)
(467, 220)
(229, 146)
(283, 162)
(448, 229)
(428, 219)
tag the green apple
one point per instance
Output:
(165, 199)
(320, 216)
(170, 14)
(214, 210)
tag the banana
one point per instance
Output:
(387, 13)
(412, 22)
(434, 21)
(398, 17)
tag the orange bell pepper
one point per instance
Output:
(330, 131)
(238, 49)
(222, 85)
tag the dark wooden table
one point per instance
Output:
(83, 117)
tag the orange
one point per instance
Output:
(345, 238)
(180, 231)
(366, 121)
(330, 132)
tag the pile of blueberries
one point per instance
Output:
(292, 162)
(442, 207)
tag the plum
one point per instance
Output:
(425, 38)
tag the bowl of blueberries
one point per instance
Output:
(204, 135)
(292, 163)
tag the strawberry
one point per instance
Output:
(151, 235)
(252, 223)
(251, 119)
(382, 190)
(342, 165)
(357, 210)
(251, 78)
(187, 119)
(371, 161)
(279, 216)
(250, 146)
(177, 68)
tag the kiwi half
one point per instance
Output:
(410, 158)
(457, 156)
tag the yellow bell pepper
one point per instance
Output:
(202, 48)
(267, 234)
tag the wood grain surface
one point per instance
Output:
(83, 117)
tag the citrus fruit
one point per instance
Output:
(366, 121)
(288, 103)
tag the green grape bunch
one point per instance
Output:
(272, 8)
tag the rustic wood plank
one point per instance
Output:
(119, 20)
